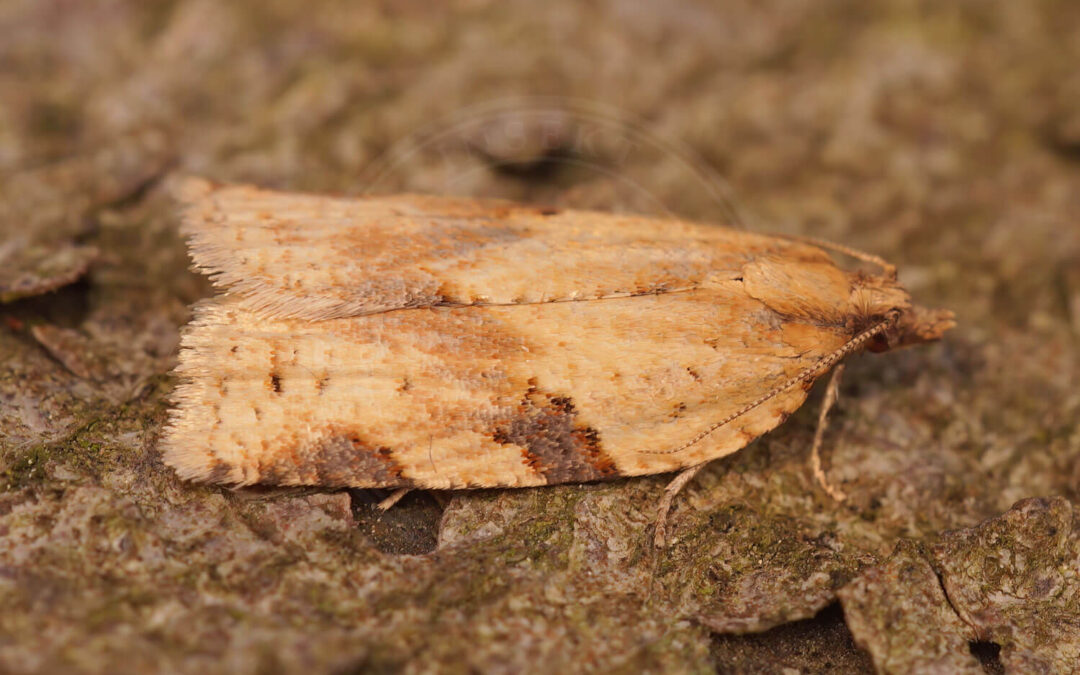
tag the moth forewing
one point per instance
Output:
(449, 343)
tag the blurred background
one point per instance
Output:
(944, 136)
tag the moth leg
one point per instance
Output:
(832, 393)
(673, 488)
(394, 498)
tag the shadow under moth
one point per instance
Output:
(440, 342)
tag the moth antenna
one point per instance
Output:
(823, 365)
(887, 268)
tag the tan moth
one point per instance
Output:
(438, 342)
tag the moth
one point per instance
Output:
(441, 342)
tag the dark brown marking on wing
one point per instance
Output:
(340, 460)
(552, 442)
(275, 370)
(219, 473)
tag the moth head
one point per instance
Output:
(813, 289)
(882, 298)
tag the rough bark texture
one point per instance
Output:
(943, 136)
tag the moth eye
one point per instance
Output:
(879, 343)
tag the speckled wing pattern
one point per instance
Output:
(449, 343)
